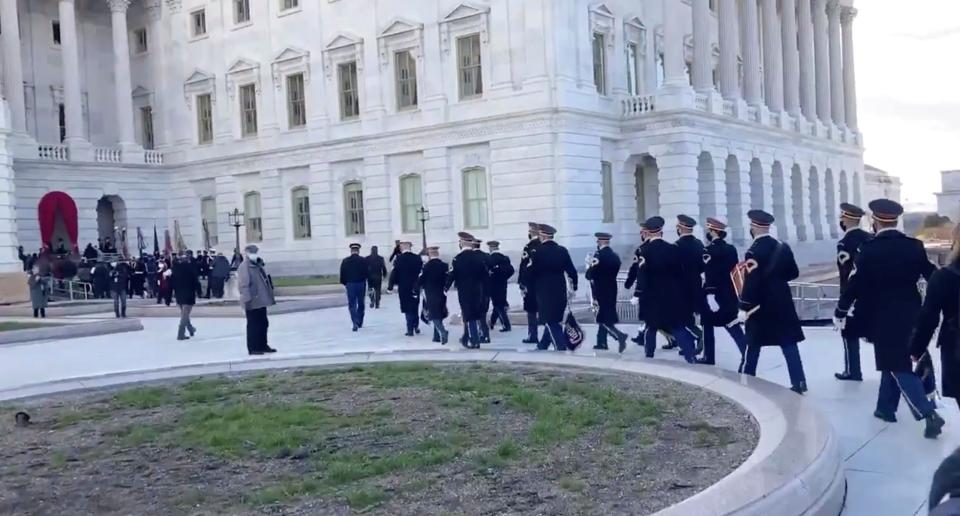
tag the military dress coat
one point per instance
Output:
(404, 276)
(433, 279)
(692, 251)
(469, 273)
(942, 300)
(719, 259)
(486, 284)
(661, 280)
(884, 289)
(501, 270)
(602, 275)
(766, 293)
(549, 265)
(848, 250)
(526, 279)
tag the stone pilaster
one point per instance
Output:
(729, 49)
(772, 56)
(838, 108)
(791, 58)
(847, 15)
(751, 54)
(808, 74)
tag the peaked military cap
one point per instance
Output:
(885, 210)
(433, 248)
(406, 244)
(760, 218)
(715, 224)
(465, 237)
(493, 243)
(851, 211)
(654, 224)
(534, 226)
(685, 221)
(548, 230)
(603, 236)
(355, 246)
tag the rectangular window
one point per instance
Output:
(599, 66)
(241, 11)
(468, 66)
(56, 33)
(633, 69)
(140, 41)
(251, 207)
(406, 77)
(296, 103)
(289, 4)
(301, 213)
(411, 199)
(353, 205)
(204, 118)
(349, 93)
(62, 121)
(248, 110)
(475, 198)
(146, 119)
(208, 213)
(606, 172)
(198, 25)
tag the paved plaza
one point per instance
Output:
(892, 459)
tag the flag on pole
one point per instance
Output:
(206, 236)
(156, 241)
(141, 244)
(178, 236)
(167, 245)
(124, 251)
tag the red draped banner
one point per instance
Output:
(52, 204)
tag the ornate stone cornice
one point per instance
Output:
(174, 5)
(118, 6)
(833, 7)
(154, 12)
(847, 14)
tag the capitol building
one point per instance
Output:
(334, 121)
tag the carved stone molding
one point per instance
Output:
(465, 19)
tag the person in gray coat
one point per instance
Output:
(39, 292)
(256, 294)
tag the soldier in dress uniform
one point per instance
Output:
(766, 304)
(353, 277)
(719, 259)
(664, 299)
(550, 264)
(632, 283)
(404, 276)
(848, 249)
(501, 270)
(484, 327)
(468, 272)
(883, 285)
(433, 278)
(602, 271)
(692, 250)
(527, 283)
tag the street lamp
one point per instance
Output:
(424, 217)
(236, 219)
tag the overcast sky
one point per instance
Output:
(908, 87)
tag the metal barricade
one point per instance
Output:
(71, 290)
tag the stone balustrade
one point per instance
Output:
(107, 155)
(49, 152)
(152, 157)
(702, 102)
(638, 105)
(53, 152)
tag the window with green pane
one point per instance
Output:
(475, 198)
(411, 199)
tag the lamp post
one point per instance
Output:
(424, 217)
(236, 219)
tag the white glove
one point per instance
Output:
(634, 301)
(712, 302)
(839, 323)
(742, 316)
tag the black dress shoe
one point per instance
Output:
(670, 345)
(601, 348)
(409, 334)
(528, 340)
(256, 352)
(444, 338)
(704, 361)
(505, 330)
(355, 327)
(417, 331)
(636, 339)
(889, 418)
(183, 338)
(797, 389)
(268, 349)
(622, 341)
(847, 377)
(436, 339)
(934, 425)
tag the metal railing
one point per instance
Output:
(71, 289)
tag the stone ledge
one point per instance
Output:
(796, 468)
(71, 331)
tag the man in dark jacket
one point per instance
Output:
(664, 300)
(719, 259)
(602, 271)
(432, 280)
(101, 280)
(353, 276)
(120, 274)
(883, 284)
(766, 304)
(404, 276)
(501, 270)
(691, 250)
(550, 265)
(186, 282)
(376, 270)
(527, 283)
(631, 283)
(219, 274)
(848, 250)
(468, 272)
(90, 253)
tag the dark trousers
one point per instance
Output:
(355, 292)
(710, 342)
(257, 325)
(791, 353)
(553, 334)
(376, 291)
(851, 357)
(471, 336)
(413, 321)
(532, 326)
(151, 284)
(500, 314)
(39, 312)
(185, 323)
(439, 331)
(164, 297)
(608, 329)
(215, 287)
(681, 336)
(893, 384)
(120, 303)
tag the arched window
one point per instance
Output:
(411, 199)
(301, 213)
(253, 214)
(208, 216)
(353, 207)
(475, 198)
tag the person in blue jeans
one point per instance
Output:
(353, 276)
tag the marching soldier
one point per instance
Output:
(432, 280)
(527, 283)
(883, 285)
(664, 300)
(691, 249)
(719, 259)
(501, 270)
(353, 277)
(766, 305)
(602, 271)
(550, 264)
(848, 249)
(484, 328)
(469, 273)
(404, 276)
(632, 282)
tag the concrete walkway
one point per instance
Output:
(889, 466)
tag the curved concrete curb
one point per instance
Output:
(206, 310)
(71, 331)
(796, 468)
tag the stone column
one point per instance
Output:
(822, 57)
(13, 66)
(179, 129)
(121, 76)
(674, 64)
(702, 73)
(751, 54)
(847, 15)
(772, 56)
(808, 80)
(791, 57)
(72, 96)
(836, 65)
(729, 49)
(158, 74)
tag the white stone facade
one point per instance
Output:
(587, 115)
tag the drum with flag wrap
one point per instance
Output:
(573, 330)
(739, 277)
(928, 376)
